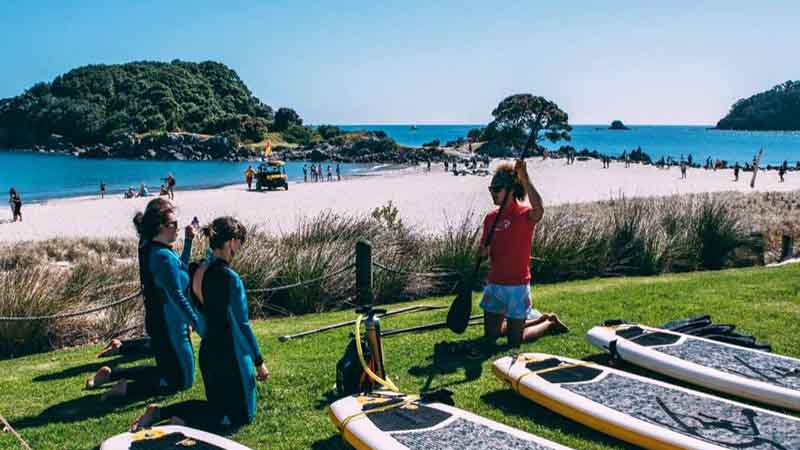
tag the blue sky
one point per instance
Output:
(435, 61)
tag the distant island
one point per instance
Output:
(618, 125)
(777, 109)
(175, 111)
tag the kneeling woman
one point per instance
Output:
(168, 311)
(230, 359)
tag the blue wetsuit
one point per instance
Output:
(229, 351)
(168, 314)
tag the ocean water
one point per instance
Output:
(43, 176)
(656, 140)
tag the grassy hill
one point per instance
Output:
(41, 395)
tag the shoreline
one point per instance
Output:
(427, 201)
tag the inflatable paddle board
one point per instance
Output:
(170, 437)
(391, 421)
(645, 412)
(740, 371)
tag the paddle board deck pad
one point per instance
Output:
(743, 372)
(170, 437)
(645, 412)
(389, 421)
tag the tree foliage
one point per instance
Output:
(522, 120)
(776, 109)
(285, 117)
(100, 103)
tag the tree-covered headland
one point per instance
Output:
(777, 109)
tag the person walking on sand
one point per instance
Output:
(15, 200)
(102, 190)
(736, 171)
(305, 173)
(683, 170)
(782, 172)
(330, 173)
(507, 296)
(338, 172)
(248, 177)
(170, 186)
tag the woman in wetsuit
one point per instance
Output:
(230, 359)
(168, 312)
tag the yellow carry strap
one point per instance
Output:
(406, 402)
(7, 427)
(387, 383)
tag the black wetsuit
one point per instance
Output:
(228, 351)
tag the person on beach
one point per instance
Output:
(168, 314)
(229, 354)
(15, 201)
(736, 171)
(130, 193)
(143, 192)
(171, 186)
(305, 173)
(446, 164)
(782, 172)
(102, 190)
(330, 173)
(339, 172)
(507, 296)
(683, 170)
(248, 177)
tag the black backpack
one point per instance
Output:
(350, 376)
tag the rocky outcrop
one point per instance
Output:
(366, 149)
(168, 147)
(618, 125)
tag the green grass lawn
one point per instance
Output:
(42, 395)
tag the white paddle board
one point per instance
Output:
(645, 412)
(388, 421)
(173, 437)
(740, 371)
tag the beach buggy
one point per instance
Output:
(271, 175)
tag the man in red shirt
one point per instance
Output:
(507, 296)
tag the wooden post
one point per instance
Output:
(363, 273)
(787, 245)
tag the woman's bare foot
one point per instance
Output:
(112, 348)
(118, 390)
(151, 415)
(100, 378)
(557, 325)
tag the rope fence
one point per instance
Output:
(278, 309)
(73, 314)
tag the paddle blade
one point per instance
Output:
(460, 310)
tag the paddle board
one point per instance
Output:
(740, 371)
(645, 412)
(390, 421)
(170, 437)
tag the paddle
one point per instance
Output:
(461, 308)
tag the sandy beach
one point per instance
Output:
(426, 200)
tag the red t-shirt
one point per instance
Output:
(510, 249)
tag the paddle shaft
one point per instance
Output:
(473, 320)
(334, 326)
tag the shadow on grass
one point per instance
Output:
(512, 404)
(449, 357)
(89, 368)
(79, 409)
(332, 443)
(326, 400)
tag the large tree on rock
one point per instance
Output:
(524, 120)
(285, 117)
